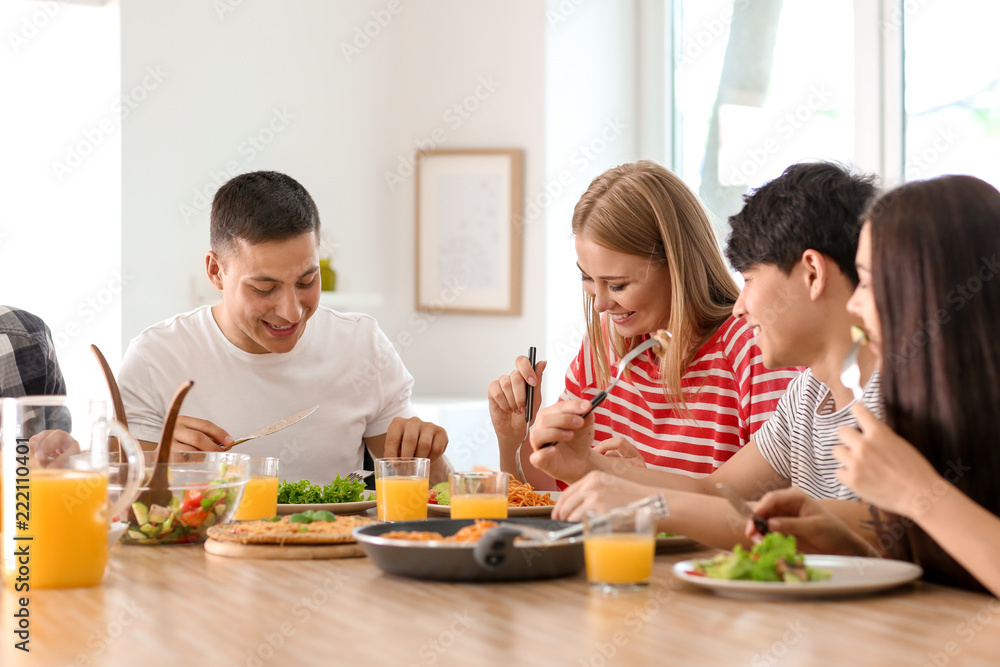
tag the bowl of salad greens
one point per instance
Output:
(205, 487)
(340, 496)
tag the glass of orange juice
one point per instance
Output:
(260, 497)
(618, 546)
(56, 512)
(478, 495)
(401, 488)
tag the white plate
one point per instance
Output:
(850, 576)
(675, 543)
(336, 508)
(546, 510)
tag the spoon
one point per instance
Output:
(158, 492)
(850, 372)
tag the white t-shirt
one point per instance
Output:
(799, 438)
(343, 363)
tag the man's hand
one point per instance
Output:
(192, 435)
(817, 530)
(52, 447)
(414, 437)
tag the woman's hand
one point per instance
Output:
(884, 469)
(572, 457)
(599, 492)
(508, 400)
(621, 448)
(817, 530)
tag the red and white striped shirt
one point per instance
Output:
(730, 395)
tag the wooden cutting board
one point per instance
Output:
(283, 551)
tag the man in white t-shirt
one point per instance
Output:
(269, 350)
(794, 242)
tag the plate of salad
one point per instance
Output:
(775, 568)
(341, 496)
(671, 542)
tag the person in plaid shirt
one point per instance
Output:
(28, 365)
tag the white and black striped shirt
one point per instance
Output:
(799, 438)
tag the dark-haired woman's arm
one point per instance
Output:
(886, 470)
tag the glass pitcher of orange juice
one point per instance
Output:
(56, 513)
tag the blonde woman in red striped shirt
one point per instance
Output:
(649, 260)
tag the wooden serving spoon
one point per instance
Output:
(159, 492)
(109, 377)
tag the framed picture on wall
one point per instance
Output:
(469, 212)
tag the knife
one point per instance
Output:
(276, 426)
(736, 500)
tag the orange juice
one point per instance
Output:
(69, 530)
(619, 558)
(401, 498)
(260, 499)
(479, 506)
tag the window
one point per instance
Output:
(952, 94)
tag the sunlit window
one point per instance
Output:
(758, 86)
(952, 94)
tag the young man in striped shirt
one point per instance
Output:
(794, 242)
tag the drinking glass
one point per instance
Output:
(618, 547)
(478, 495)
(56, 512)
(401, 488)
(260, 497)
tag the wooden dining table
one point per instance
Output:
(179, 605)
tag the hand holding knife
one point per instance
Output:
(737, 501)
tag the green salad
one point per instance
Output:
(776, 558)
(304, 492)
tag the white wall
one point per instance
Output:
(591, 126)
(60, 216)
(360, 103)
(263, 73)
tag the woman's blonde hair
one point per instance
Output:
(645, 210)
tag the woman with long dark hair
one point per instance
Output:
(929, 295)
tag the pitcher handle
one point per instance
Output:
(133, 453)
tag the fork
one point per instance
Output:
(360, 475)
(850, 372)
(626, 360)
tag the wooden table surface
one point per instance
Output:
(182, 606)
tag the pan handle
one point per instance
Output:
(493, 548)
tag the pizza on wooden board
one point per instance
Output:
(289, 532)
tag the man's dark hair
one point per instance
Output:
(812, 205)
(261, 206)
